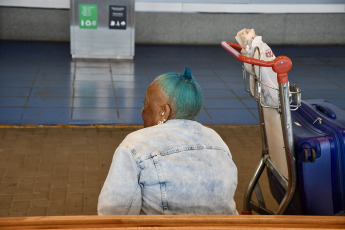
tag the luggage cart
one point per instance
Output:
(289, 99)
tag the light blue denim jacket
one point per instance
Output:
(179, 167)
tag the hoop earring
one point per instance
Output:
(161, 122)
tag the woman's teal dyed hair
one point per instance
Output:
(184, 93)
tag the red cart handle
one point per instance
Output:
(281, 65)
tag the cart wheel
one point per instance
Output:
(305, 151)
(313, 155)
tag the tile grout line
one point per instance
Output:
(114, 91)
(73, 84)
(31, 88)
(207, 113)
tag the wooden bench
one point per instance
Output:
(173, 222)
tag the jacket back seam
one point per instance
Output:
(161, 183)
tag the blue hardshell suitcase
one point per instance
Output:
(319, 135)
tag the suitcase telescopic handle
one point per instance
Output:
(281, 65)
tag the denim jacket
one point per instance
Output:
(179, 167)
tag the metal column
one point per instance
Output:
(102, 29)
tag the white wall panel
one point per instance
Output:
(220, 6)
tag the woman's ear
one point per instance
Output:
(166, 114)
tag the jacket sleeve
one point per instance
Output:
(121, 192)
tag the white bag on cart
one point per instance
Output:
(253, 46)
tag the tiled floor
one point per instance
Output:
(41, 84)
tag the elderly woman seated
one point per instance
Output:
(174, 165)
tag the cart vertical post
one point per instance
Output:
(281, 65)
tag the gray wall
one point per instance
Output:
(183, 28)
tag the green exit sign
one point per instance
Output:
(88, 16)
